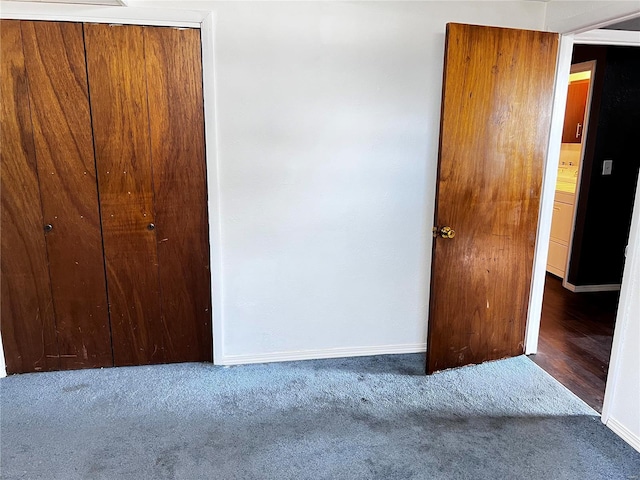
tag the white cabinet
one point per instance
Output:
(557, 258)
(561, 226)
(561, 223)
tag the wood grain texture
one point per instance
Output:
(576, 335)
(117, 85)
(497, 98)
(55, 61)
(174, 86)
(28, 325)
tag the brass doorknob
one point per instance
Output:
(447, 232)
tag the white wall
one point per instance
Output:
(327, 119)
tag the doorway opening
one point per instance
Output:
(595, 191)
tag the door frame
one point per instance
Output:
(588, 66)
(567, 41)
(204, 20)
(631, 277)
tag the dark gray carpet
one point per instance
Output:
(357, 418)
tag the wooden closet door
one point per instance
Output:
(28, 324)
(174, 87)
(55, 61)
(117, 83)
(146, 99)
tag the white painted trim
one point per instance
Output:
(323, 353)
(213, 184)
(168, 17)
(590, 66)
(609, 37)
(624, 433)
(606, 287)
(3, 366)
(548, 194)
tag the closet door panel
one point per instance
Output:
(28, 324)
(174, 82)
(55, 61)
(117, 86)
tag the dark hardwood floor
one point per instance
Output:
(576, 333)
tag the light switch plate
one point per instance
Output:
(607, 166)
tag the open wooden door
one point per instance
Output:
(496, 113)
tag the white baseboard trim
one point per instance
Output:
(323, 353)
(624, 433)
(608, 287)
